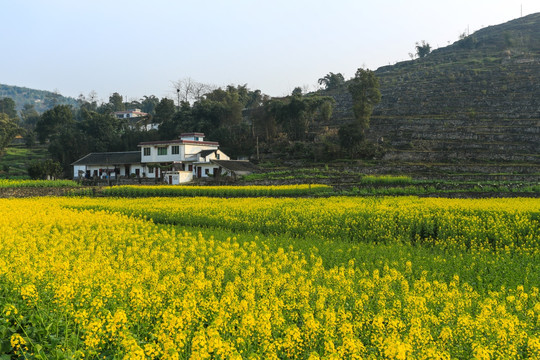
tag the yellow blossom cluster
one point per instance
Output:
(501, 225)
(14, 183)
(219, 191)
(82, 278)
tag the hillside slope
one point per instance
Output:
(41, 99)
(474, 104)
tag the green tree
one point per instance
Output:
(332, 81)
(350, 138)
(88, 103)
(164, 111)
(297, 91)
(365, 93)
(29, 116)
(422, 49)
(117, 102)
(231, 103)
(8, 107)
(182, 121)
(44, 170)
(8, 130)
(67, 146)
(101, 131)
(296, 113)
(148, 104)
(52, 121)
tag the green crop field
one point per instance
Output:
(16, 159)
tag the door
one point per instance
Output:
(199, 171)
(170, 180)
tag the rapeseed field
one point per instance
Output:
(269, 278)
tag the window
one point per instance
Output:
(146, 151)
(217, 155)
(175, 150)
(162, 150)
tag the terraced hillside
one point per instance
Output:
(471, 107)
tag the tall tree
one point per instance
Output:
(101, 131)
(8, 130)
(148, 104)
(117, 102)
(29, 115)
(53, 121)
(182, 121)
(365, 93)
(164, 110)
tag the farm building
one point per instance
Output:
(174, 161)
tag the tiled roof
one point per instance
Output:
(110, 158)
(205, 153)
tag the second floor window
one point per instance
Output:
(175, 150)
(146, 151)
(162, 150)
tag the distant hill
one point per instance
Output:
(42, 100)
(475, 102)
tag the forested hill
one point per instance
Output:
(475, 101)
(41, 99)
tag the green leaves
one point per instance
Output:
(364, 89)
(8, 130)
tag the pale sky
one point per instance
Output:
(138, 48)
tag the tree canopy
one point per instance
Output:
(422, 49)
(7, 106)
(365, 93)
(364, 89)
(8, 130)
(332, 81)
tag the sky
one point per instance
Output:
(139, 48)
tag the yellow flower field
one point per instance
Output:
(279, 279)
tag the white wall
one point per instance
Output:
(185, 150)
(95, 169)
(178, 177)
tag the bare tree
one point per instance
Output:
(189, 90)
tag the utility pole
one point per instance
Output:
(178, 95)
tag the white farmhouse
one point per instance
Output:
(137, 119)
(174, 161)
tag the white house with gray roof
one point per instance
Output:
(174, 161)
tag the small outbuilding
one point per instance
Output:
(108, 164)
